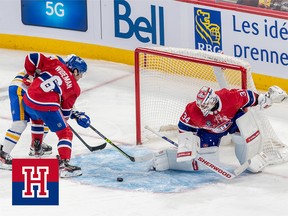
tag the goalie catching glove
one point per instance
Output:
(82, 119)
(274, 95)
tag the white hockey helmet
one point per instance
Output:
(206, 100)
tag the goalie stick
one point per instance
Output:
(91, 148)
(210, 165)
(133, 159)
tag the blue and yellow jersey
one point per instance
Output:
(18, 80)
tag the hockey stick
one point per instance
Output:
(91, 148)
(210, 165)
(133, 159)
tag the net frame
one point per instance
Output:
(215, 60)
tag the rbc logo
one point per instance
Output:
(35, 182)
(207, 30)
(144, 29)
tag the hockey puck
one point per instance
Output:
(119, 179)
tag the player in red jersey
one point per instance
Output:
(212, 116)
(17, 89)
(20, 119)
(50, 100)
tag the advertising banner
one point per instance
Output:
(128, 24)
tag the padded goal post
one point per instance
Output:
(168, 78)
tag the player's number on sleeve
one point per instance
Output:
(55, 8)
(52, 84)
(185, 117)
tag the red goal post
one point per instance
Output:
(167, 78)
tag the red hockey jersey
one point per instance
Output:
(37, 62)
(231, 101)
(54, 88)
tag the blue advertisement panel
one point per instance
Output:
(208, 34)
(64, 14)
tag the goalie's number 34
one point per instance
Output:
(185, 118)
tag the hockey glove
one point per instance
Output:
(26, 80)
(264, 101)
(82, 119)
(274, 95)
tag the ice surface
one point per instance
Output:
(108, 97)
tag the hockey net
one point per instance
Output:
(167, 79)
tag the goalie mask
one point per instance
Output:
(206, 100)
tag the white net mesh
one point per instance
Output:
(272, 146)
(167, 83)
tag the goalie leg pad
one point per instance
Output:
(240, 148)
(188, 144)
(258, 163)
(250, 145)
(166, 159)
(187, 165)
(210, 153)
(160, 161)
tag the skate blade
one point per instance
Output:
(67, 174)
(5, 166)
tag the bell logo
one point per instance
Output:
(146, 29)
(35, 182)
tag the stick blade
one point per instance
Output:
(96, 148)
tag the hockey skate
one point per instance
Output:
(66, 170)
(46, 150)
(5, 160)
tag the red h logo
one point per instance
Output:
(35, 181)
(35, 176)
